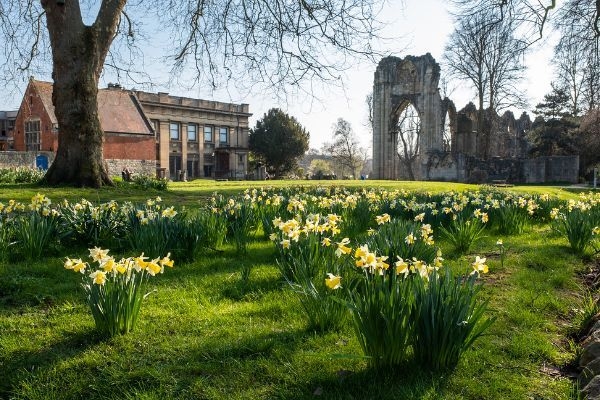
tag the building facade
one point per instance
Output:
(198, 138)
(7, 124)
(128, 135)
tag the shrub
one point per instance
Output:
(21, 175)
(150, 182)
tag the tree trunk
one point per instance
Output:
(78, 54)
(79, 158)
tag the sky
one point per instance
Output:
(417, 26)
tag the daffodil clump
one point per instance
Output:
(115, 288)
(577, 220)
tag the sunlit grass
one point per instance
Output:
(202, 334)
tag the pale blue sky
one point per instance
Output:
(418, 26)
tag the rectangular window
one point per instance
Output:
(208, 133)
(192, 132)
(32, 135)
(223, 133)
(174, 131)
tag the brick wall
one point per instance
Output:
(32, 108)
(132, 147)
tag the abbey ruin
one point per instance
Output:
(462, 146)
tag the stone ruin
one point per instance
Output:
(498, 152)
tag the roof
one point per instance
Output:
(118, 110)
(44, 90)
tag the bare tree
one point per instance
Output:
(345, 149)
(271, 42)
(576, 55)
(487, 54)
(531, 16)
(408, 130)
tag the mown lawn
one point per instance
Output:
(202, 334)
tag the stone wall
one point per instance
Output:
(136, 167)
(462, 168)
(11, 159)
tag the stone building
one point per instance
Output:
(129, 138)
(203, 138)
(464, 146)
(7, 123)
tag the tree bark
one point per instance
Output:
(78, 54)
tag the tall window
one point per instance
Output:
(192, 132)
(223, 133)
(208, 133)
(174, 131)
(32, 135)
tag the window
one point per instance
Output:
(208, 133)
(192, 132)
(32, 135)
(174, 131)
(223, 135)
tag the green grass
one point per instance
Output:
(203, 335)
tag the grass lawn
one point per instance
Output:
(202, 334)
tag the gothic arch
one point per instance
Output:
(399, 82)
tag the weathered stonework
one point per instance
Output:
(398, 84)
(497, 151)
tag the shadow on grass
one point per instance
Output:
(24, 361)
(406, 382)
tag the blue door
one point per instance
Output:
(41, 162)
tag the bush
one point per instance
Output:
(21, 175)
(150, 182)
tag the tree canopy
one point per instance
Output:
(278, 140)
(252, 43)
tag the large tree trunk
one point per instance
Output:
(78, 54)
(79, 158)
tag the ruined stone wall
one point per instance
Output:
(399, 83)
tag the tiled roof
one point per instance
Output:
(119, 114)
(44, 89)
(117, 109)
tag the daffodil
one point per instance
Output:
(98, 277)
(479, 266)
(333, 281)
(97, 254)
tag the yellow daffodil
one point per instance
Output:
(326, 242)
(410, 239)
(479, 266)
(166, 261)
(98, 277)
(333, 281)
(97, 254)
(285, 243)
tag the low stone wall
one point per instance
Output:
(13, 159)
(462, 168)
(136, 167)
